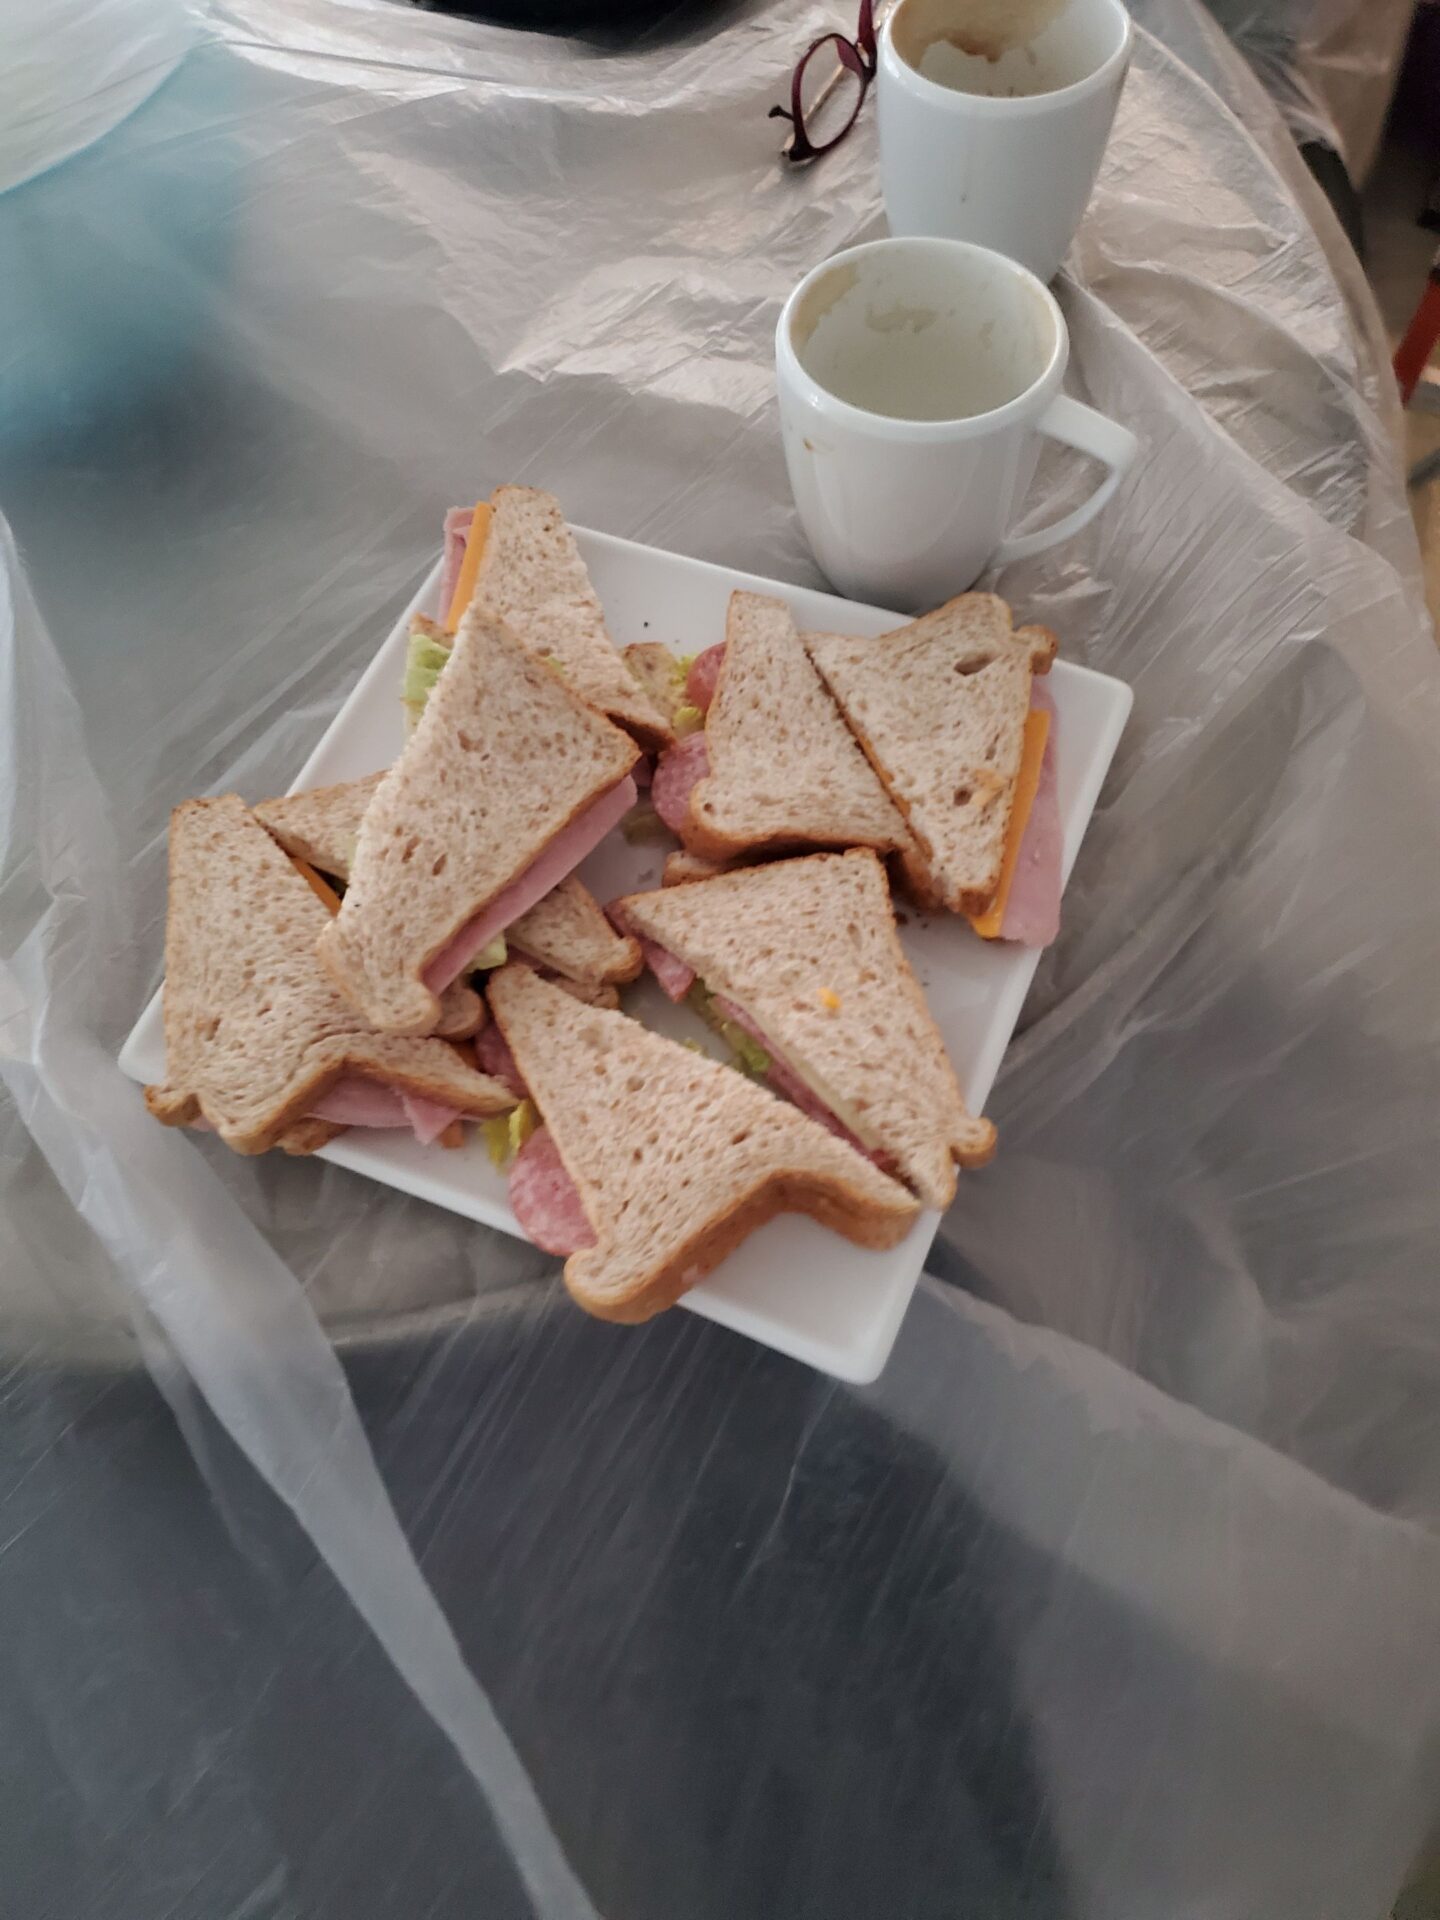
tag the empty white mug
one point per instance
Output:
(993, 117)
(916, 378)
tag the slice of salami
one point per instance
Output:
(546, 1200)
(676, 772)
(493, 1055)
(704, 672)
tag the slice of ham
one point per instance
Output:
(546, 1200)
(704, 672)
(428, 1118)
(564, 853)
(788, 1083)
(1032, 907)
(675, 978)
(457, 533)
(354, 1101)
(492, 1052)
(643, 772)
(676, 772)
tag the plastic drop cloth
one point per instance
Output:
(1330, 65)
(1118, 1595)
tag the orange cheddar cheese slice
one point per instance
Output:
(1027, 785)
(469, 566)
(322, 889)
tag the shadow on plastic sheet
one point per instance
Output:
(622, 27)
(760, 1653)
(752, 1649)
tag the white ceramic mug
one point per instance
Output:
(916, 379)
(993, 117)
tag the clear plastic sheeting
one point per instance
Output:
(348, 1570)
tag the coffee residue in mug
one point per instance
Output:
(983, 29)
(827, 292)
(900, 317)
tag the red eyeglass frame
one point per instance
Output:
(858, 56)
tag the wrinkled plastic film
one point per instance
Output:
(228, 1308)
(1114, 1594)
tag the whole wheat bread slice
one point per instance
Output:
(504, 757)
(676, 1157)
(566, 931)
(681, 868)
(532, 575)
(808, 949)
(255, 1032)
(785, 773)
(319, 827)
(939, 707)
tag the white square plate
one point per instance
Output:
(792, 1286)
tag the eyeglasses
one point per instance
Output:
(824, 106)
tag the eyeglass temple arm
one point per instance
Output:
(878, 16)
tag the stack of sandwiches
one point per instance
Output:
(415, 950)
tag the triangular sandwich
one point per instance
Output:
(803, 957)
(940, 709)
(521, 561)
(507, 783)
(655, 1162)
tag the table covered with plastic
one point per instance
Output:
(347, 1569)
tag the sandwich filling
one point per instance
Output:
(681, 767)
(457, 534)
(466, 531)
(354, 1101)
(545, 1199)
(426, 656)
(703, 672)
(677, 772)
(756, 1053)
(564, 853)
(1026, 903)
(801, 1089)
(492, 1053)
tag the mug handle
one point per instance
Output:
(1089, 432)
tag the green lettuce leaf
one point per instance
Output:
(750, 1057)
(424, 662)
